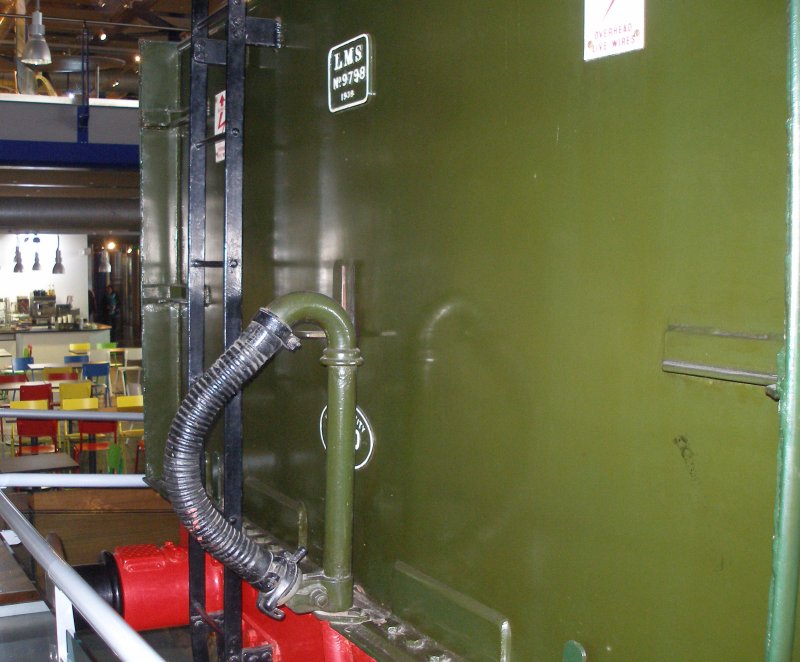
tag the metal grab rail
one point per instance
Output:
(71, 590)
(72, 415)
(72, 480)
(786, 542)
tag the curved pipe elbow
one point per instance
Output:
(317, 308)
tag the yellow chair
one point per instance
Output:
(130, 401)
(134, 402)
(76, 389)
(35, 428)
(79, 347)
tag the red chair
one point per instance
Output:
(37, 392)
(92, 428)
(35, 428)
(11, 377)
(61, 376)
(8, 379)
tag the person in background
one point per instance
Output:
(92, 307)
(112, 313)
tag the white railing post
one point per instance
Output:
(65, 624)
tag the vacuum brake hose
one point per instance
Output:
(259, 342)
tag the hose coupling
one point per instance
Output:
(341, 356)
(281, 583)
(266, 323)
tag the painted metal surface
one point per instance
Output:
(195, 322)
(163, 233)
(786, 543)
(527, 226)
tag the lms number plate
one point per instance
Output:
(350, 73)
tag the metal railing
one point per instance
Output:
(70, 589)
(73, 415)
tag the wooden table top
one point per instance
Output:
(15, 587)
(36, 463)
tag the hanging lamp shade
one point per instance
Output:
(58, 267)
(37, 266)
(17, 261)
(36, 50)
(105, 263)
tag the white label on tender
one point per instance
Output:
(611, 27)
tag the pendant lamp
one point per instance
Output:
(58, 267)
(36, 264)
(17, 259)
(36, 50)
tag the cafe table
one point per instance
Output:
(13, 387)
(116, 414)
(33, 368)
(36, 463)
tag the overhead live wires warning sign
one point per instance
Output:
(611, 27)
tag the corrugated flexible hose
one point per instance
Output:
(260, 341)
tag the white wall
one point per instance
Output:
(74, 280)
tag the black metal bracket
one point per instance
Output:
(201, 618)
(263, 32)
(208, 51)
(266, 32)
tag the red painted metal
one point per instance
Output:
(297, 638)
(155, 594)
(155, 585)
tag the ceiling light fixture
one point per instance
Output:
(58, 267)
(36, 264)
(36, 50)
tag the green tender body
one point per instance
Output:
(533, 235)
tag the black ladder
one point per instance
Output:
(241, 31)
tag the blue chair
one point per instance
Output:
(21, 363)
(76, 358)
(98, 374)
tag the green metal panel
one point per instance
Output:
(530, 231)
(163, 284)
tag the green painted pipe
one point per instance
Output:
(342, 357)
(786, 542)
